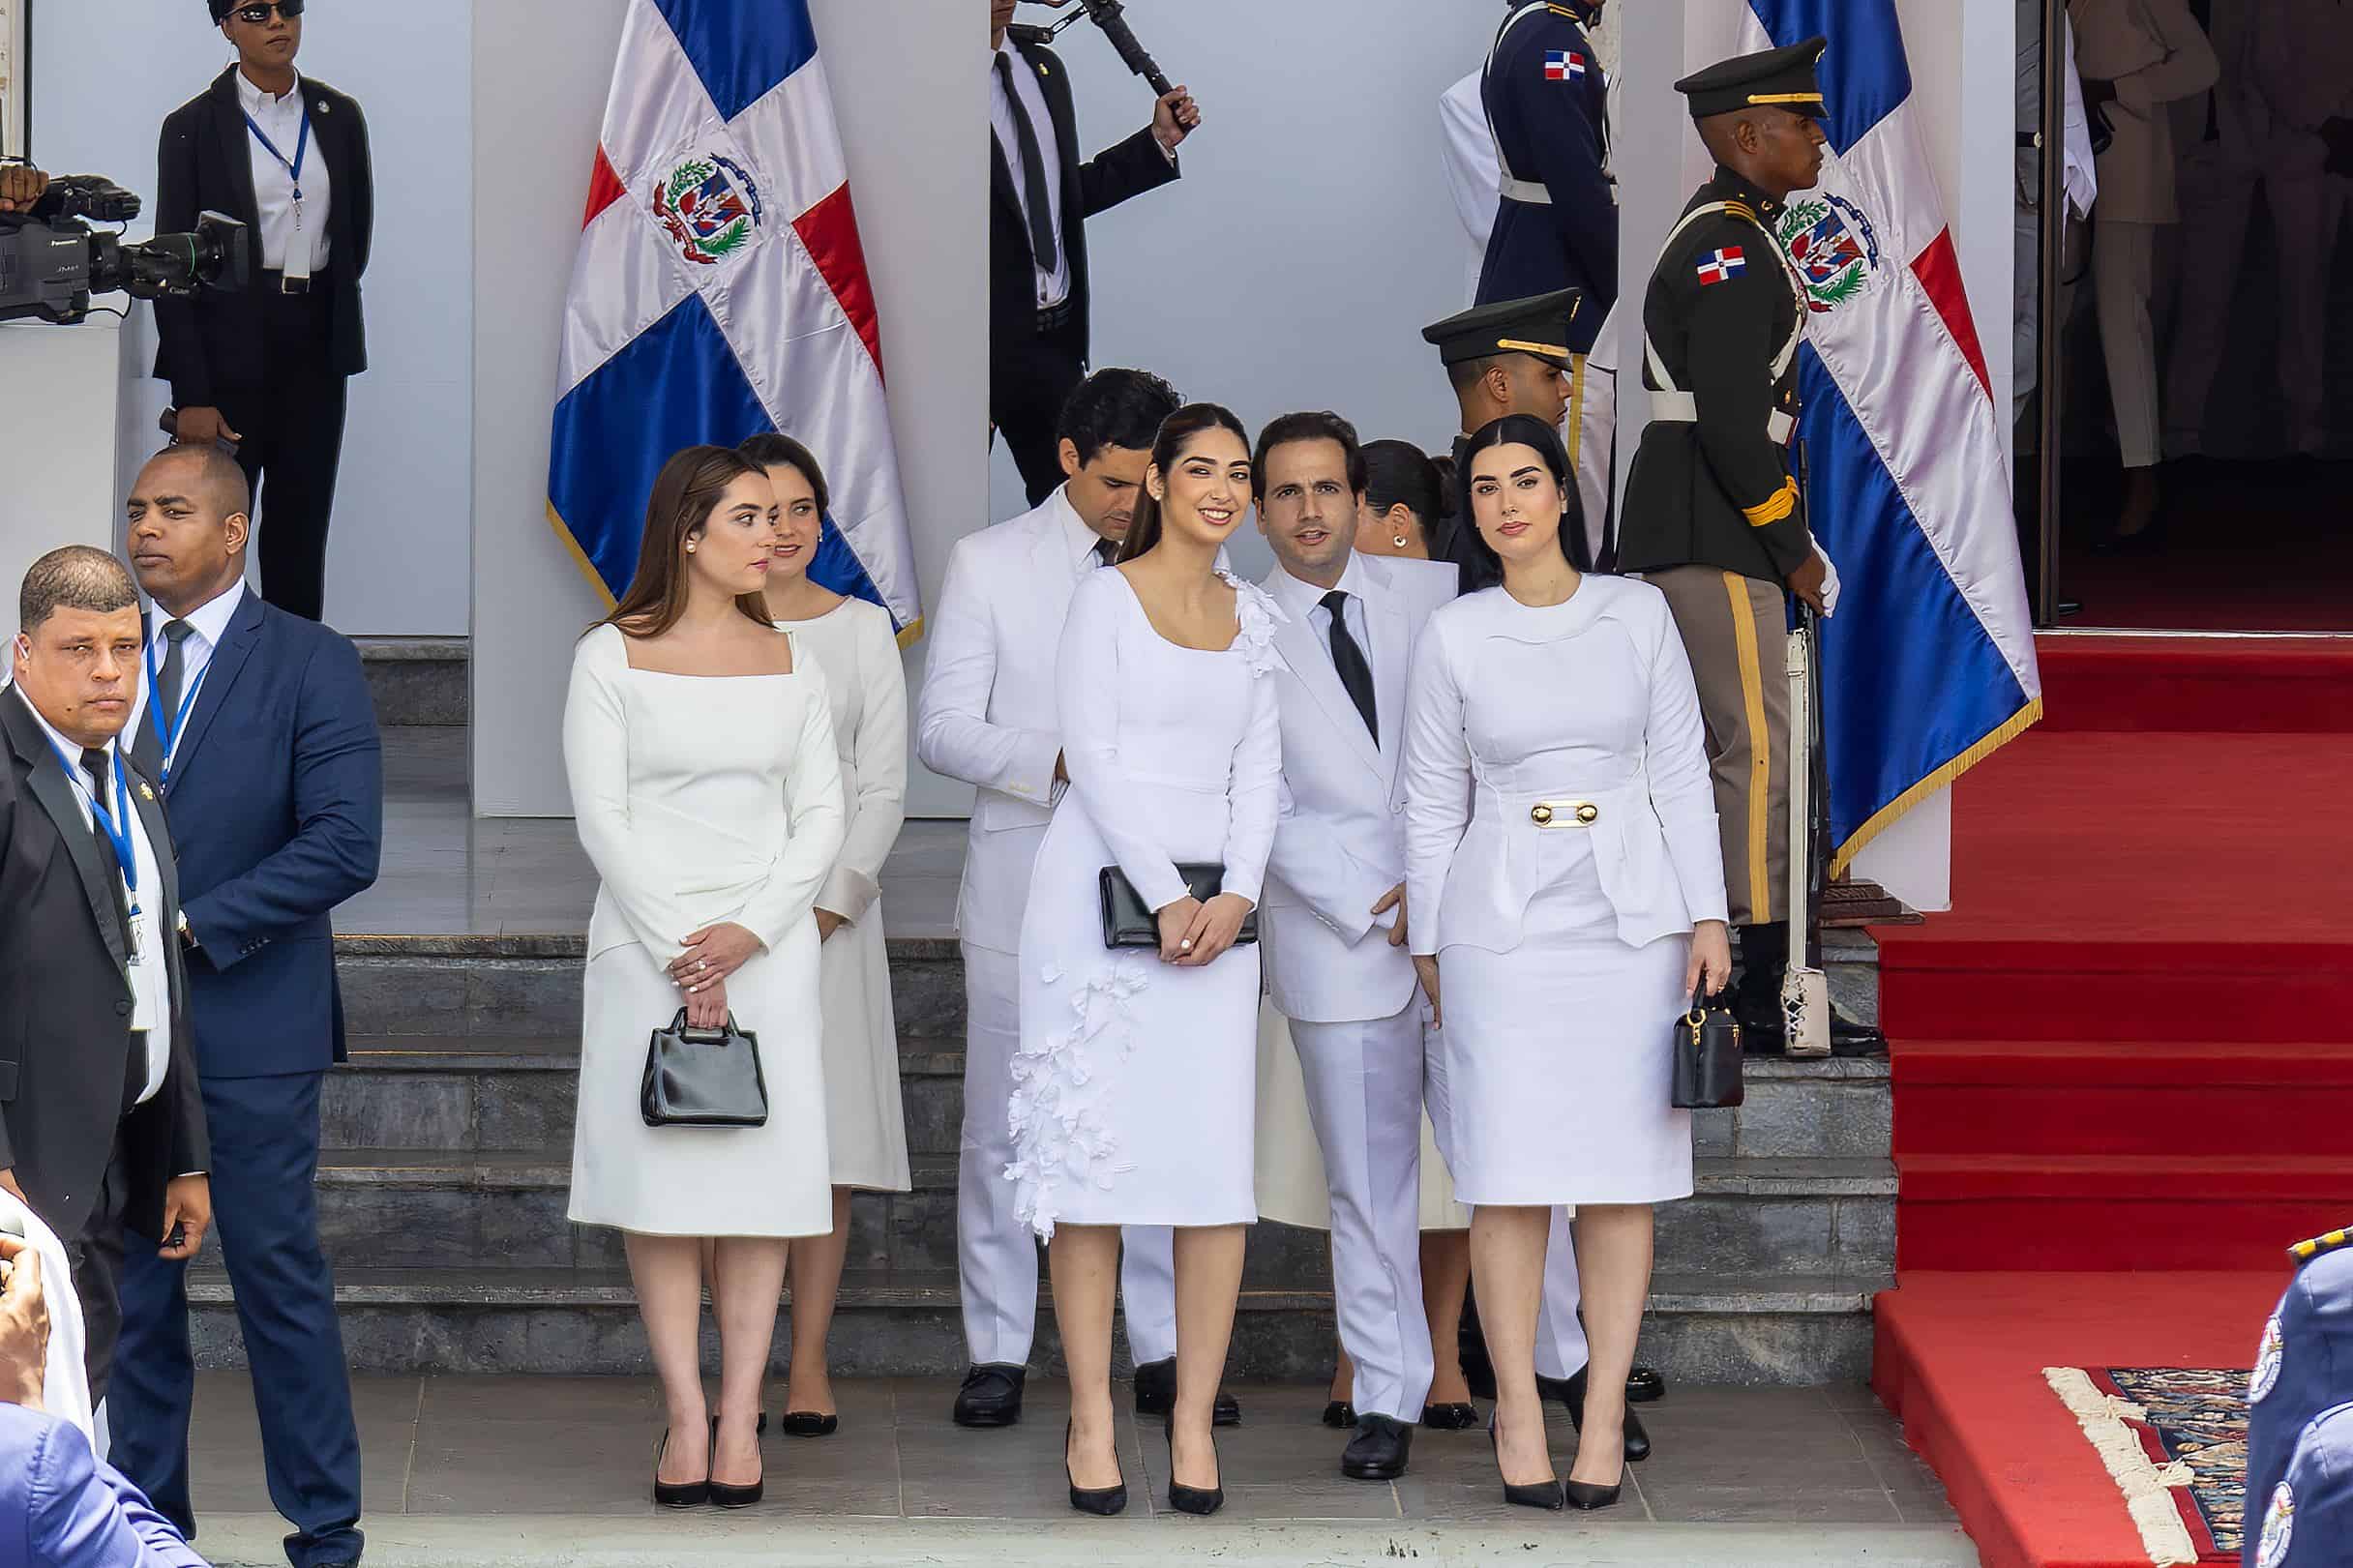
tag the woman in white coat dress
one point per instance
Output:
(1561, 834)
(852, 642)
(1134, 1079)
(700, 748)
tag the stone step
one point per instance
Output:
(1798, 1329)
(462, 1091)
(416, 681)
(1747, 1218)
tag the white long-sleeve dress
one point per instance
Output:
(865, 1123)
(1561, 833)
(701, 799)
(1133, 1083)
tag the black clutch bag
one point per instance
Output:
(703, 1078)
(1706, 1057)
(1127, 923)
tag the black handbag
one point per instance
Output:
(703, 1078)
(1706, 1057)
(1127, 923)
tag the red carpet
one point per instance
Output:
(2128, 1049)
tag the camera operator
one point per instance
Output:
(20, 186)
(264, 368)
(1041, 198)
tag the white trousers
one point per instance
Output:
(1364, 1099)
(1593, 435)
(995, 1253)
(2123, 277)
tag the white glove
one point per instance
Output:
(1830, 581)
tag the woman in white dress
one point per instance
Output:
(1133, 1081)
(1561, 830)
(852, 642)
(700, 748)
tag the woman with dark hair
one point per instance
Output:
(699, 747)
(1135, 1074)
(1560, 835)
(851, 641)
(1402, 500)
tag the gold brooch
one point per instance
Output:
(145, 792)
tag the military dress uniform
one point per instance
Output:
(1542, 327)
(2307, 1521)
(2304, 1365)
(1547, 105)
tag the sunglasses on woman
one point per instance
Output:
(259, 15)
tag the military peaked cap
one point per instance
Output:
(1782, 78)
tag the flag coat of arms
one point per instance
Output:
(720, 292)
(1929, 664)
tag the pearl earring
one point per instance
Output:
(690, 546)
(1397, 540)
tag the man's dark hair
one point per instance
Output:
(1322, 424)
(1116, 408)
(73, 576)
(1464, 373)
(217, 471)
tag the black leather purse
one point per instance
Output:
(1707, 1057)
(1127, 923)
(703, 1078)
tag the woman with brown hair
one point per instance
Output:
(700, 748)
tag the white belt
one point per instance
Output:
(1669, 401)
(1535, 195)
(1682, 408)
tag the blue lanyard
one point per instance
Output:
(169, 737)
(302, 145)
(116, 823)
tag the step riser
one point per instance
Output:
(2028, 1119)
(1795, 1349)
(1994, 1004)
(2092, 1234)
(1731, 1235)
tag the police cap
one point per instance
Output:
(1782, 78)
(1537, 325)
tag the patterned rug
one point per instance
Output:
(2175, 1440)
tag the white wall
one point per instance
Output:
(909, 109)
(108, 73)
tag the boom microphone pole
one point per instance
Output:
(1112, 17)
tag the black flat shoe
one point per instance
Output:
(1570, 1392)
(724, 1495)
(808, 1424)
(1201, 1501)
(1340, 1414)
(1379, 1450)
(1103, 1501)
(1450, 1417)
(678, 1493)
(1544, 1494)
(991, 1395)
(1156, 1394)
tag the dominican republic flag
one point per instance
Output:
(1562, 65)
(720, 292)
(1929, 664)
(1720, 265)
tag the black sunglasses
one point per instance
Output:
(259, 15)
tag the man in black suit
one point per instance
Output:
(1041, 196)
(264, 368)
(100, 1125)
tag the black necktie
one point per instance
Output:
(94, 762)
(172, 678)
(1349, 659)
(1107, 550)
(1033, 173)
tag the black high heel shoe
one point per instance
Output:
(1202, 1500)
(724, 1495)
(1585, 1496)
(678, 1493)
(1104, 1501)
(1545, 1495)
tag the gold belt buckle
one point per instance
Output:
(1582, 812)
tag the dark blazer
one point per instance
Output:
(65, 1006)
(276, 790)
(1112, 176)
(206, 164)
(1554, 133)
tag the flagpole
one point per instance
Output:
(2051, 254)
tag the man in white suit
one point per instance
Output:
(987, 716)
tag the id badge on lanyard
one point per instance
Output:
(298, 250)
(147, 1012)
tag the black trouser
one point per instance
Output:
(293, 439)
(96, 1258)
(1028, 382)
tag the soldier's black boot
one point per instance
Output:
(1756, 995)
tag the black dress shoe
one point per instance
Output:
(678, 1493)
(991, 1395)
(1570, 1392)
(1156, 1394)
(1645, 1385)
(1201, 1501)
(1450, 1417)
(1340, 1414)
(809, 1424)
(1379, 1449)
(1848, 1038)
(1101, 1500)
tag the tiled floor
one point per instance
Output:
(445, 872)
(508, 1446)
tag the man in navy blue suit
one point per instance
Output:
(259, 724)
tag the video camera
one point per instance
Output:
(52, 261)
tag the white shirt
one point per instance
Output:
(1304, 601)
(2081, 180)
(1053, 282)
(150, 981)
(1083, 539)
(280, 120)
(208, 625)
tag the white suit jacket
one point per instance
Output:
(2155, 53)
(1339, 832)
